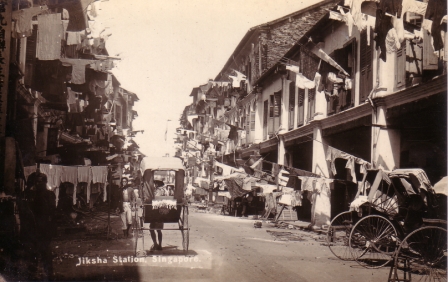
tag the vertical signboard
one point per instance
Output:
(5, 40)
(5, 45)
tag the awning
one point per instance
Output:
(161, 163)
(441, 187)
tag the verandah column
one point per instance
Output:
(385, 141)
(283, 120)
(321, 206)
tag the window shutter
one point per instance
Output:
(311, 103)
(430, 60)
(300, 108)
(365, 65)
(277, 103)
(292, 102)
(400, 75)
(252, 121)
(265, 118)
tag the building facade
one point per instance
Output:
(332, 90)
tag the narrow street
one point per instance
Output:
(222, 248)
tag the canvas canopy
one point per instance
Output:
(161, 163)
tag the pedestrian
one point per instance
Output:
(43, 206)
(126, 205)
(139, 206)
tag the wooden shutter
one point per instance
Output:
(252, 121)
(300, 107)
(430, 60)
(277, 98)
(311, 103)
(400, 73)
(365, 65)
(292, 102)
(414, 54)
(265, 118)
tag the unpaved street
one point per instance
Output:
(222, 248)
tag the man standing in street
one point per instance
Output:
(126, 204)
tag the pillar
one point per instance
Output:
(41, 141)
(386, 73)
(385, 141)
(321, 206)
(258, 135)
(283, 121)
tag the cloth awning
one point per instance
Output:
(441, 187)
(161, 163)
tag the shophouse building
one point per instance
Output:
(334, 90)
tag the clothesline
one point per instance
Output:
(293, 168)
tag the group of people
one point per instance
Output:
(131, 202)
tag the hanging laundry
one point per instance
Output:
(78, 69)
(333, 78)
(99, 174)
(435, 11)
(102, 65)
(283, 177)
(392, 41)
(233, 134)
(301, 81)
(383, 24)
(236, 80)
(307, 183)
(70, 174)
(23, 26)
(53, 173)
(77, 13)
(85, 175)
(226, 170)
(49, 37)
(392, 7)
(73, 37)
(292, 68)
(333, 154)
(348, 19)
(355, 11)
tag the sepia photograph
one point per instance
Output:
(212, 140)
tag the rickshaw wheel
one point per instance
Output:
(373, 241)
(425, 253)
(184, 228)
(339, 233)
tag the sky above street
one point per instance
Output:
(168, 47)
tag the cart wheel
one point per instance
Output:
(339, 233)
(373, 241)
(425, 253)
(184, 228)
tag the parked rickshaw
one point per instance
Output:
(164, 209)
(390, 210)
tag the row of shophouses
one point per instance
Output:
(328, 92)
(63, 111)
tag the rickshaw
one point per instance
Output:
(163, 209)
(390, 209)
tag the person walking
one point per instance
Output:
(126, 204)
